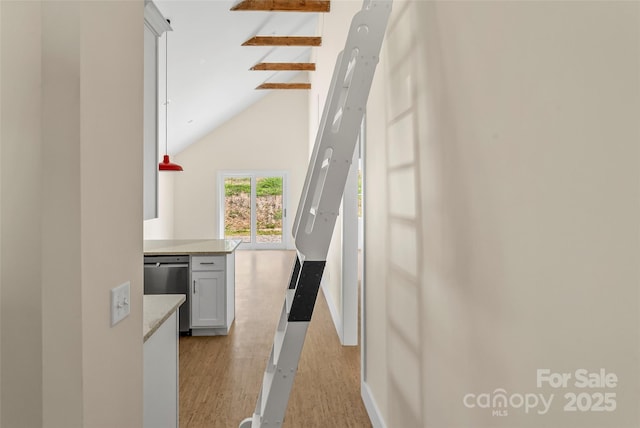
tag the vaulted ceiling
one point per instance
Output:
(210, 71)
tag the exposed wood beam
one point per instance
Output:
(285, 86)
(283, 41)
(285, 66)
(284, 5)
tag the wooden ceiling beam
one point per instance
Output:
(285, 86)
(285, 66)
(283, 41)
(284, 5)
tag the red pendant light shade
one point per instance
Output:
(167, 165)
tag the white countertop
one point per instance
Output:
(189, 246)
(157, 309)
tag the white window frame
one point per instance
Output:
(255, 174)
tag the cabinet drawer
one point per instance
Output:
(207, 263)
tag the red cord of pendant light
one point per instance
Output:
(166, 164)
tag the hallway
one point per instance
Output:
(220, 376)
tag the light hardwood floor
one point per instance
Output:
(220, 376)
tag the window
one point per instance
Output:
(253, 208)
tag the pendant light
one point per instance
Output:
(166, 164)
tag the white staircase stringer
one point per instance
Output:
(319, 204)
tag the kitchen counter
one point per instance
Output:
(189, 246)
(157, 309)
(209, 288)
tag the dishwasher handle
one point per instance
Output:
(166, 265)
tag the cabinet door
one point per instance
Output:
(208, 299)
(160, 375)
(150, 159)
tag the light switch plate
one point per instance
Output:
(120, 302)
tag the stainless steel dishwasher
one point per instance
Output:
(169, 275)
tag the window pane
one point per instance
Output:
(269, 210)
(237, 208)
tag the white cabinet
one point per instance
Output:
(160, 374)
(212, 294)
(154, 26)
(208, 299)
(208, 263)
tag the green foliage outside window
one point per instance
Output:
(269, 186)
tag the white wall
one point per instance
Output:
(112, 116)
(162, 227)
(71, 223)
(21, 193)
(502, 209)
(270, 135)
(61, 215)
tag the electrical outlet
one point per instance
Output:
(120, 302)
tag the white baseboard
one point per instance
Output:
(333, 310)
(372, 408)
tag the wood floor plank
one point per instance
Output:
(220, 376)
